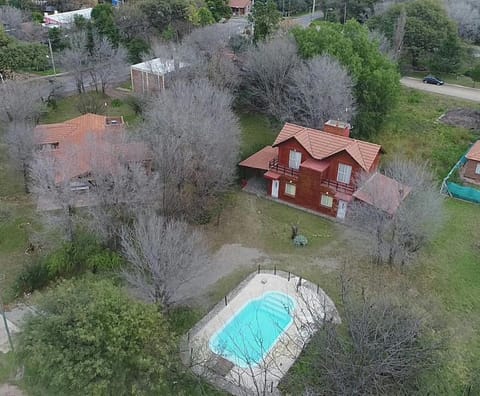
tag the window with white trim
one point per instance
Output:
(477, 169)
(290, 189)
(326, 200)
(344, 173)
(295, 159)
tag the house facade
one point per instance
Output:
(240, 7)
(471, 169)
(315, 169)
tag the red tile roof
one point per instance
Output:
(474, 152)
(382, 192)
(88, 141)
(261, 158)
(321, 145)
(239, 3)
(319, 166)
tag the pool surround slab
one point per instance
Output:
(310, 308)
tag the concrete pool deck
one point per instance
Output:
(313, 307)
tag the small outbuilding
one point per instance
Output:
(471, 169)
(153, 75)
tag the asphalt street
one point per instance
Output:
(457, 91)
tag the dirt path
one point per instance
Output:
(457, 91)
(229, 258)
(10, 390)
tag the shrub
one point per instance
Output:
(104, 261)
(116, 103)
(300, 240)
(33, 276)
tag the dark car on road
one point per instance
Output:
(432, 80)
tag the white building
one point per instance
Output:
(65, 19)
(151, 75)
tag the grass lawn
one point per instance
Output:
(258, 131)
(412, 129)
(67, 108)
(16, 216)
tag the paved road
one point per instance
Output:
(306, 20)
(457, 91)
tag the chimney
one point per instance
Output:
(337, 128)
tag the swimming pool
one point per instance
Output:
(253, 331)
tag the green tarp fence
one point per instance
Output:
(465, 193)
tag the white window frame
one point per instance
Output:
(344, 173)
(291, 185)
(477, 169)
(294, 159)
(326, 200)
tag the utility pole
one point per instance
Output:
(2, 312)
(51, 56)
(313, 10)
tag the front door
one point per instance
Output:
(275, 186)
(342, 209)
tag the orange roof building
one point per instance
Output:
(471, 170)
(318, 169)
(87, 143)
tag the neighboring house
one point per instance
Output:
(65, 19)
(79, 145)
(317, 169)
(153, 75)
(240, 7)
(471, 169)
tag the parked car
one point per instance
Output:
(432, 80)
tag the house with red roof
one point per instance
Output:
(471, 169)
(83, 144)
(240, 7)
(317, 169)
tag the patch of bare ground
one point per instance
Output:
(10, 390)
(465, 118)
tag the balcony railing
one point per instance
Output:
(338, 186)
(282, 169)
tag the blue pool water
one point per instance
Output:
(254, 330)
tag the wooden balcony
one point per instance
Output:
(338, 186)
(282, 169)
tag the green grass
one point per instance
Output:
(258, 131)
(450, 271)
(68, 108)
(412, 129)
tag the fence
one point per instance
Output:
(458, 191)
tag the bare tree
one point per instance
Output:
(320, 89)
(163, 254)
(467, 15)
(387, 348)
(122, 187)
(131, 23)
(193, 135)
(50, 181)
(106, 63)
(75, 58)
(20, 144)
(268, 70)
(22, 102)
(401, 218)
(11, 18)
